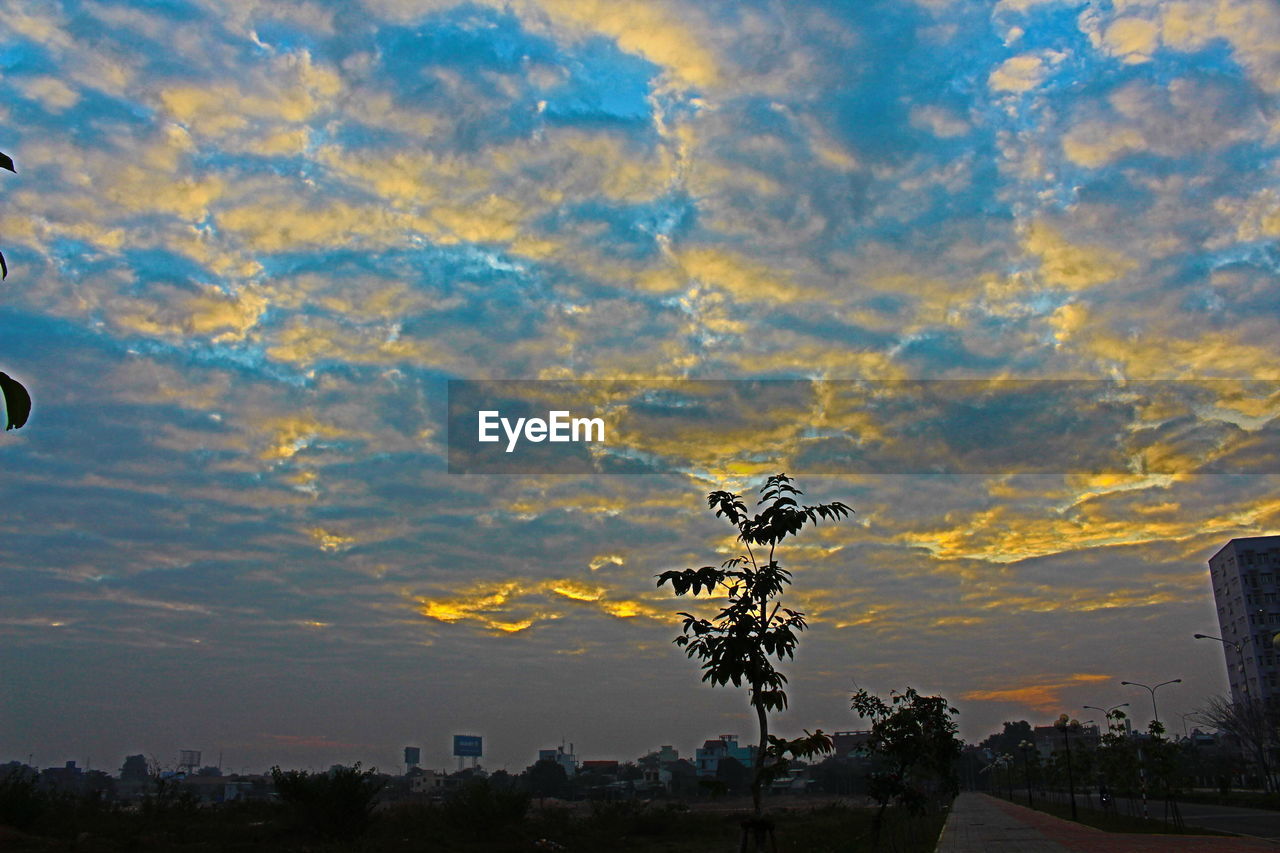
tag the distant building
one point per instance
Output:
(67, 778)
(1049, 739)
(429, 782)
(608, 767)
(845, 743)
(567, 760)
(1245, 575)
(707, 757)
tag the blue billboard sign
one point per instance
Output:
(467, 746)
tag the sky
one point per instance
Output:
(251, 243)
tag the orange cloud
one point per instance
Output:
(1043, 696)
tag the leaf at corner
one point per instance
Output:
(17, 402)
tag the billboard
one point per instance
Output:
(412, 755)
(467, 746)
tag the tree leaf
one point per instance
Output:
(17, 402)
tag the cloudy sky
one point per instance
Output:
(250, 243)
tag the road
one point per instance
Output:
(1257, 823)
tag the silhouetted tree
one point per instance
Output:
(1253, 724)
(737, 645)
(914, 744)
(1007, 740)
(135, 767)
(547, 778)
(337, 804)
(734, 774)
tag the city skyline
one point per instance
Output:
(249, 247)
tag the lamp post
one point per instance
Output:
(1152, 690)
(1238, 646)
(1066, 726)
(1156, 714)
(1106, 712)
(1106, 715)
(1026, 746)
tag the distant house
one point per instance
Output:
(1049, 739)
(567, 760)
(707, 757)
(607, 768)
(428, 782)
(847, 743)
(797, 781)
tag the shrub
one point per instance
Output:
(482, 805)
(21, 801)
(338, 804)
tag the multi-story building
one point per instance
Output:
(707, 756)
(1050, 739)
(1246, 589)
(844, 744)
(567, 760)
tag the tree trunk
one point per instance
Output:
(757, 781)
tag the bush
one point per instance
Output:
(482, 805)
(338, 804)
(21, 801)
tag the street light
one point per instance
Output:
(1232, 643)
(1026, 746)
(1106, 712)
(1238, 645)
(1065, 726)
(1156, 714)
(1152, 690)
(1106, 715)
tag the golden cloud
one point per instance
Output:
(516, 605)
(1074, 267)
(1041, 696)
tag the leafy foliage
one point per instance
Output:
(337, 804)
(1117, 757)
(914, 739)
(739, 644)
(485, 805)
(547, 778)
(21, 801)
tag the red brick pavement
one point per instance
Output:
(1077, 836)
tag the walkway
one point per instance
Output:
(982, 824)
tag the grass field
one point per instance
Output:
(624, 826)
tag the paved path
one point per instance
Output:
(982, 824)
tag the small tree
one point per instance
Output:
(1253, 724)
(737, 645)
(547, 778)
(913, 739)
